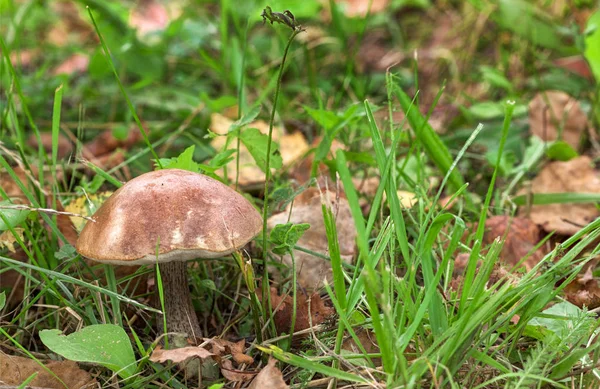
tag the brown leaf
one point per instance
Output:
(179, 355)
(269, 377)
(555, 115)
(235, 375)
(106, 143)
(14, 370)
(291, 147)
(576, 175)
(360, 7)
(307, 209)
(64, 147)
(584, 290)
(575, 64)
(77, 63)
(521, 236)
(221, 347)
(309, 310)
(150, 16)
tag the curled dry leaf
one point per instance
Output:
(269, 377)
(520, 238)
(222, 347)
(291, 147)
(574, 176)
(575, 64)
(309, 310)
(556, 115)
(15, 370)
(306, 208)
(179, 355)
(585, 289)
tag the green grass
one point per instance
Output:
(490, 328)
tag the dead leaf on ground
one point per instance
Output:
(179, 355)
(291, 147)
(521, 236)
(306, 208)
(12, 280)
(368, 342)
(584, 290)
(222, 347)
(106, 143)
(149, 16)
(352, 8)
(64, 146)
(575, 64)
(269, 377)
(77, 63)
(15, 370)
(71, 27)
(556, 115)
(309, 310)
(574, 176)
(233, 374)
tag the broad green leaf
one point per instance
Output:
(256, 143)
(592, 44)
(65, 252)
(526, 20)
(559, 318)
(561, 151)
(285, 236)
(184, 161)
(13, 217)
(488, 110)
(105, 344)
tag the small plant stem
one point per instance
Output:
(265, 285)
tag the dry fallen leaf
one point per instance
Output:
(15, 370)
(8, 239)
(269, 377)
(556, 115)
(222, 347)
(77, 63)
(360, 7)
(521, 236)
(309, 311)
(306, 208)
(575, 64)
(106, 142)
(150, 16)
(65, 147)
(291, 148)
(584, 290)
(576, 175)
(179, 355)
(233, 374)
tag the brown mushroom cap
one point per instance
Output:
(186, 215)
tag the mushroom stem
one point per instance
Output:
(179, 310)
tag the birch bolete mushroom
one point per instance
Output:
(169, 217)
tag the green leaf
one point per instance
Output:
(65, 252)
(561, 151)
(184, 161)
(256, 143)
(530, 23)
(13, 217)
(592, 44)
(489, 110)
(105, 344)
(285, 236)
(2, 300)
(559, 318)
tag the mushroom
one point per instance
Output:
(169, 217)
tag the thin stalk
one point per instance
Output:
(265, 285)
